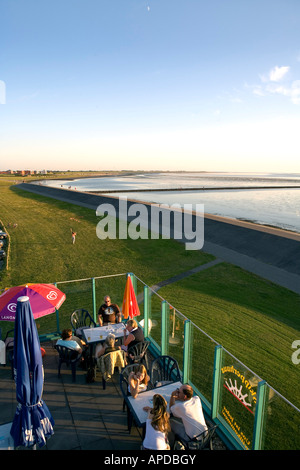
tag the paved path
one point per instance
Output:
(270, 253)
(180, 276)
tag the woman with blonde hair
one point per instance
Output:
(108, 346)
(138, 380)
(157, 425)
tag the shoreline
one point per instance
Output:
(272, 229)
(270, 253)
(202, 188)
(281, 231)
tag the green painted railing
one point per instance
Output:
(250, 413)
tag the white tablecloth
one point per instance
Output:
(100, 333)
(145, 399)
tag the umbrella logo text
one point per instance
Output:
(52, 295)
(12, 307)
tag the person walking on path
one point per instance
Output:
(73, 236)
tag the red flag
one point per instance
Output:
(130, 306)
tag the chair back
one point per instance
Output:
(67, 355)
(164, 369)
(124, 379)
(126, 371)
(137, 354)
(109, 361)
(81, 318)
(203, 440)
(9, 339)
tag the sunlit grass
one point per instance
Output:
(252, 318)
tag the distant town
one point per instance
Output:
(24, 172)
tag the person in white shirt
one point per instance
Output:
(187, 418)
(157, 425)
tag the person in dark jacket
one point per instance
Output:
(133, 334)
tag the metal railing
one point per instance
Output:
(249, 412)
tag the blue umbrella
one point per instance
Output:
(32, 423)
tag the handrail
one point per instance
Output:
(210, 404)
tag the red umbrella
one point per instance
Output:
(130, 306)
(44, 299)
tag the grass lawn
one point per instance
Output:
(252, 318)
(41, 249)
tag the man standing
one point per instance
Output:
(108, 312)
(188, 419)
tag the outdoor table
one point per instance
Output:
(137, 404)
(92, 336)
(100, 333)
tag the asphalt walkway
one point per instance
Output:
(268, 252)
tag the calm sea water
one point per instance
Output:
(279, 207)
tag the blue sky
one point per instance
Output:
(157, 84)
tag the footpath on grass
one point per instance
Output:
(270, 253)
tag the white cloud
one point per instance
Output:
(292, 91)
(275, 75)
(278, 73)
(270, 85)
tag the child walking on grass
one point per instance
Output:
(73, 236)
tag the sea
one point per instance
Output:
(271, 199)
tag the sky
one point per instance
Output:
(150, 85)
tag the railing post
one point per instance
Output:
(94, 300)
(57, 315)
(259, 415)
(164, 327)
(146, 311)
(216, 381)
(186, 351)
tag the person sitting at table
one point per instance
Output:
(108, 312)
(187, 418)
(108, 346)
(138, 380)
(157, 425)
(133, 334)
(68, 341)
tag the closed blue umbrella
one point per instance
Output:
(32, 423)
